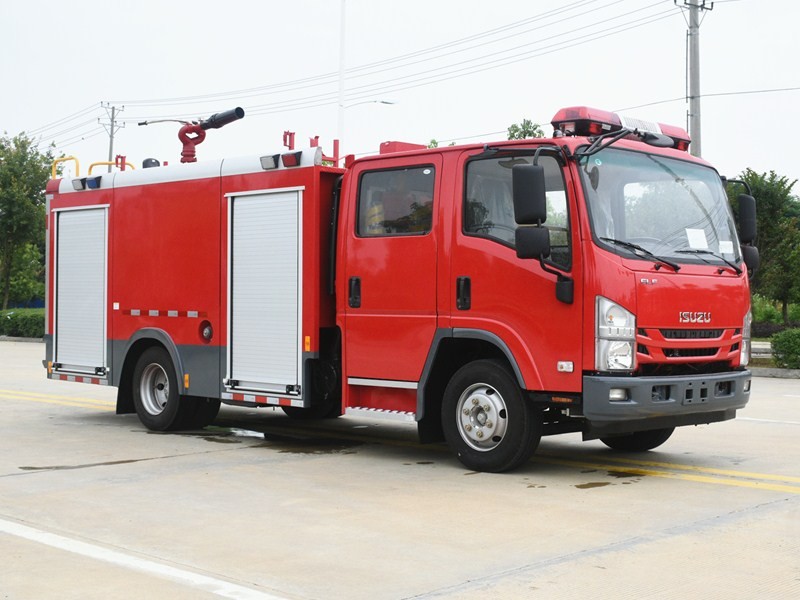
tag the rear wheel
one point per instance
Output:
(326, 397)
(155, 391)
(487, 420)
(641, 441)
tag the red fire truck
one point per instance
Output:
(591, 282)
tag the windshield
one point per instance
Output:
(671, 208)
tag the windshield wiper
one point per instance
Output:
(643, 252)
(736, 269)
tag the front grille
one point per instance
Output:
(662, 370)
(692, 334)
(689, 352)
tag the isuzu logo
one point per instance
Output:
(694, 317)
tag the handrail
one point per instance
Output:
(64, 159)
(110, 163)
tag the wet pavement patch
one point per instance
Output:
(308, 445)
(623, 474)
(593, 484)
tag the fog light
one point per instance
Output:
(747, 386)
(617, 395)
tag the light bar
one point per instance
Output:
(586, 121)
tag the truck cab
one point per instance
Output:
(592, 282)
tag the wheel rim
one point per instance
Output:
(482, 417)
(154, 389)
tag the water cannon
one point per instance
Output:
(194, 132)
(221, 119)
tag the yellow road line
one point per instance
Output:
(728, 481)
(47, 395)
(75, 402)
(694, 468)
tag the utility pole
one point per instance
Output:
(695, 8)
(111, 128)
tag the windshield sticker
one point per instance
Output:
(725, 247)
(697, 239)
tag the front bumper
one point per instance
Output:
(663, 398)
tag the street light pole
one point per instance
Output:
(340, 126)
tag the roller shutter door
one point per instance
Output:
(265, 314)
(80, 328)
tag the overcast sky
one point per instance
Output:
(459, 70)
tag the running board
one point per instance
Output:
(380, 413)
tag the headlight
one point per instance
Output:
(615, 337)
(744, 356)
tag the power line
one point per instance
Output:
(450, 71)
(657, 102)
(717, 94)
(429, 76)
(331, 77)
(72, 117)
(371, 68)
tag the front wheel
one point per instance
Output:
(487, 420)
(641, 441)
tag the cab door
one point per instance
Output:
(390, 271)
(512, 299)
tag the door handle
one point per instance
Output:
(463, 293)
(354, 292)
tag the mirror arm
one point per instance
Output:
(739, 182)
(564, 283)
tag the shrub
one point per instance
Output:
(766, 330)
(794, 313)
(764, 310)
(22, 322)
(786, 348)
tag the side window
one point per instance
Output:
(489, 206)
(395, 202)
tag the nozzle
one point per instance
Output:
(217, 120)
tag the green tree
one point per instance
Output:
(780, 274)
(27, 274)
(24, 171)
(524, 130)
(778, 215)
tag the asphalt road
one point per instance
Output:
(92, 505)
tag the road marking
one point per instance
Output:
(93, 403)
(772, 421)
(729, 481)
(695, 468)
(698, 474)
(219, 587)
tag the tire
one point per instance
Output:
(155, 392)
(205, 411)
(487, 421)
(326, 397)
(641, 441)
(319, 411)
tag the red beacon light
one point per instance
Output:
(586, 121)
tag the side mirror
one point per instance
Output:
(751, 258)
(532, 242)
(747, 219)
(530, 202)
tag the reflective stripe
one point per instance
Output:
(388, 383)
(256, 399)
